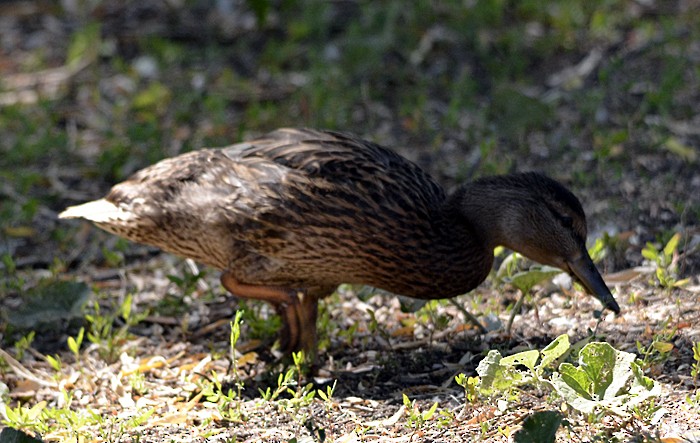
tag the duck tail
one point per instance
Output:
(98, 211)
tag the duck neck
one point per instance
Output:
(484, 209)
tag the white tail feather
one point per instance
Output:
(99, 211)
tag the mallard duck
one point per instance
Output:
(289, 216)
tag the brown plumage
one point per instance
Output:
(291, 215)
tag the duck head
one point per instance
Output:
(538, 217)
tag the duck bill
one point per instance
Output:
(586, 273)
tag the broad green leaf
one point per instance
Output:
(644, 381)
(554, 350)
(525, 358)
(621, 372)
(576, 379)
(662, 346)
(527, 279)
(540, 427)
(489, 369)
(495, 377)
(598, 360)
(572, 396)
(602, 381)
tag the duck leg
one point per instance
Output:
(285, 301)
(308, 319)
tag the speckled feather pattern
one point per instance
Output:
(305, 209)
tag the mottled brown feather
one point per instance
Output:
(303, 208)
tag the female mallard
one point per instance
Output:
(291, 215)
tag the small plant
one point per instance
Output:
(188, 282)
(289, 383)
(238, 383)
(115, 429)
(375, 327)
(227, 403)
(695, 369)
(22, 417)
(502, 374)
(469, 384)
(55, 362)
(606, 380)
(102, 333)
(259, 325)
(666, 261)
(417, 418)
(599, 249)
(523, 280)
(430, 316)
(75, 343)
(137, 381)
(327, 396)
(659, 349)
(12, 281)
(23, 344)
(114, 259)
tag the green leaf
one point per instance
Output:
(155, 97)
(598, 360)
(75, 343)
(577, 379)
(527, 279)
(650, 252)
(489, 369)
(525, 358)
(49, 303)
(85, 44)
(675, 146)
(554, 350)
(661, 276)
(540, 427)
(602, 381)
(427, 415)
(495, 377)
(672, 244)
(573, 396)
(662, 346)
(621, 372)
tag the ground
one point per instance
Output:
(604, 96)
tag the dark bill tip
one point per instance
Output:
(586, 273)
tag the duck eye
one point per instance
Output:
(566, 221)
